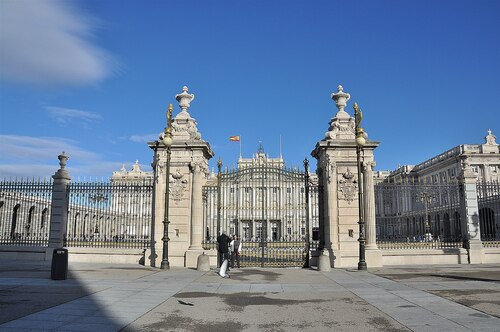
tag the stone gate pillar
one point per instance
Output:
(373, 254)
(197, 207)
(59, 205)
(188, 173)
(337, 173)
(470, 213)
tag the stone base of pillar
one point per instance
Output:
(373, 258)
(324, 263)
(475, 252)
(193, 254)
(151, 259)
(203, 263)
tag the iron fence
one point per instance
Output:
(489, 212)
(394, 245)
(25, 212)
(110, 214)
(411, 216)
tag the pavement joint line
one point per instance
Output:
(150, 291)
(398, 317)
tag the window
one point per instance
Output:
(493, 169)
(258, 230)
(315, 233)
(475, 169)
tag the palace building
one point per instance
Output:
(483, 159)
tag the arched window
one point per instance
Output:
(1, 217)
(458, 225)
(487, 224)
(43, 222)
(438, 231)
(447, 228)
(14, 221)
(30, 219)
(75, 224)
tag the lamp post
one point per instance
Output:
(360, 142)
(167, 141)
(219, 174)
(306, 183)
(426, 198)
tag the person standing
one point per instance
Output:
(236, 245)
(231, 251)
(223, 247)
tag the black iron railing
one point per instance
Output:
(25, 212)
(109, 215)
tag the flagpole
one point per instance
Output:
(240, 147)
(281, 155)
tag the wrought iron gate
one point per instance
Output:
(274, 211)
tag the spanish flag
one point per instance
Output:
(234, 138)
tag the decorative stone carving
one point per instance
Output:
(177, 185)
(330, 167)
(188, 126)
(466, 168)
(348, 186)
(368, 165)
(184, 99)
(184, 126)
(199, 166)
(490, 139)
(341, 99)
(342, 125)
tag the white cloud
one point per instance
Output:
(144, 138)
(47, 42)
(26, 148)
(25, 156)
(65, 115)
(12, 171)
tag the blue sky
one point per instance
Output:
(94, 78)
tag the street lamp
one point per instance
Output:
(426, 198)
(167, 141)
(360, 142)
(306, 182)
(219, 174)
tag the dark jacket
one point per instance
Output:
(223, 241)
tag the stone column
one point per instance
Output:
(369, 206)
(196, 208)
(59, 205)
(329, 218)
(470, 213)
(486, 173)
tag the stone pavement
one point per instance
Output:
(110, 297)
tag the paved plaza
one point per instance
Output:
(110, 297)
